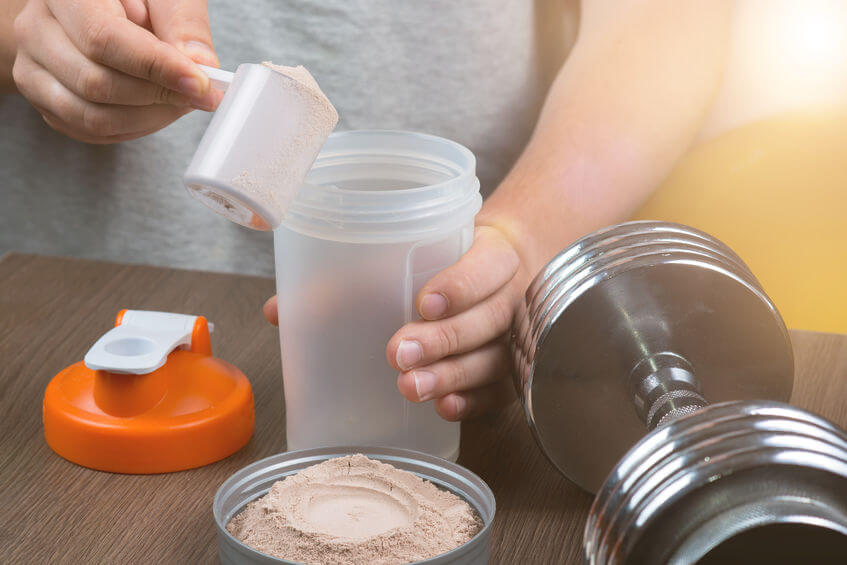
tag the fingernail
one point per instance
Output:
(199, 52)
(433, 306)
(408, 353)
(460, 404)
(191, 86)
(424, 384)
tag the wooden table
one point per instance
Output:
(52, 511)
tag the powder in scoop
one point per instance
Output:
(355, 510)
(286, 158)
(303, 77)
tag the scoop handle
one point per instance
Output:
(219, 78)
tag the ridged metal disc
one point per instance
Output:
(596, 243)
(727, 469)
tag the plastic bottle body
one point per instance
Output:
(388, 210)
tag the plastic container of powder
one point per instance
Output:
(255, 481)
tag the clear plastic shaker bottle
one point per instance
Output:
(385, 211)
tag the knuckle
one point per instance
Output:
(501, 246)
(448, 339)
(49, 121)
(497, 239)
(52, 124)
(98, 38)
(162, 95)
(458, 376)
(20, 77)
(446, 408)
(510, 257)
(499, 314)
(196, 22)
(21, 27)
(96, 122)
(490, 234)
(95, 84)
(61, 106)
(464, 288)
(153, 65)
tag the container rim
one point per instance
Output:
(382, 454)
(438, 187)
(464, 161)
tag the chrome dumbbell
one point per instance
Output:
(638, 328)
(633, 326)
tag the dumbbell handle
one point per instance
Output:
(663, 388)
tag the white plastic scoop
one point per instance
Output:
(260, 144)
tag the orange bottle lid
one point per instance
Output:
(149, 398)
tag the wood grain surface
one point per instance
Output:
(52, 511)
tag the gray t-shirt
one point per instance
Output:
(474, 71)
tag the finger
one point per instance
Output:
(420, 343)
(270, 310)
(489, 264)
(67, 130)
(185, 25)
(465, 405)
(87, 120)
(57, 124)
(478, 368)
(136, 12)
(54, 51)
(105, 36)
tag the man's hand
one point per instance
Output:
(458, 354)
(103, 71)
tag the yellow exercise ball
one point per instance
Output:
(775, 191)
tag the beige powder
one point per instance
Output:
(355, 510)
(302, 77)
(287, 158)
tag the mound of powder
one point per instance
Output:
(355, 510)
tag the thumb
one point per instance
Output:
(185, 25)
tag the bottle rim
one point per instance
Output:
(349, 192)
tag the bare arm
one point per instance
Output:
(623, 109)
(9, 10)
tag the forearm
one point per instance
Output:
(8, 12)
(620, 113)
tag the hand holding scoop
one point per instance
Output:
(261, 142)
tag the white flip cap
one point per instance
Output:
(141, 343)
